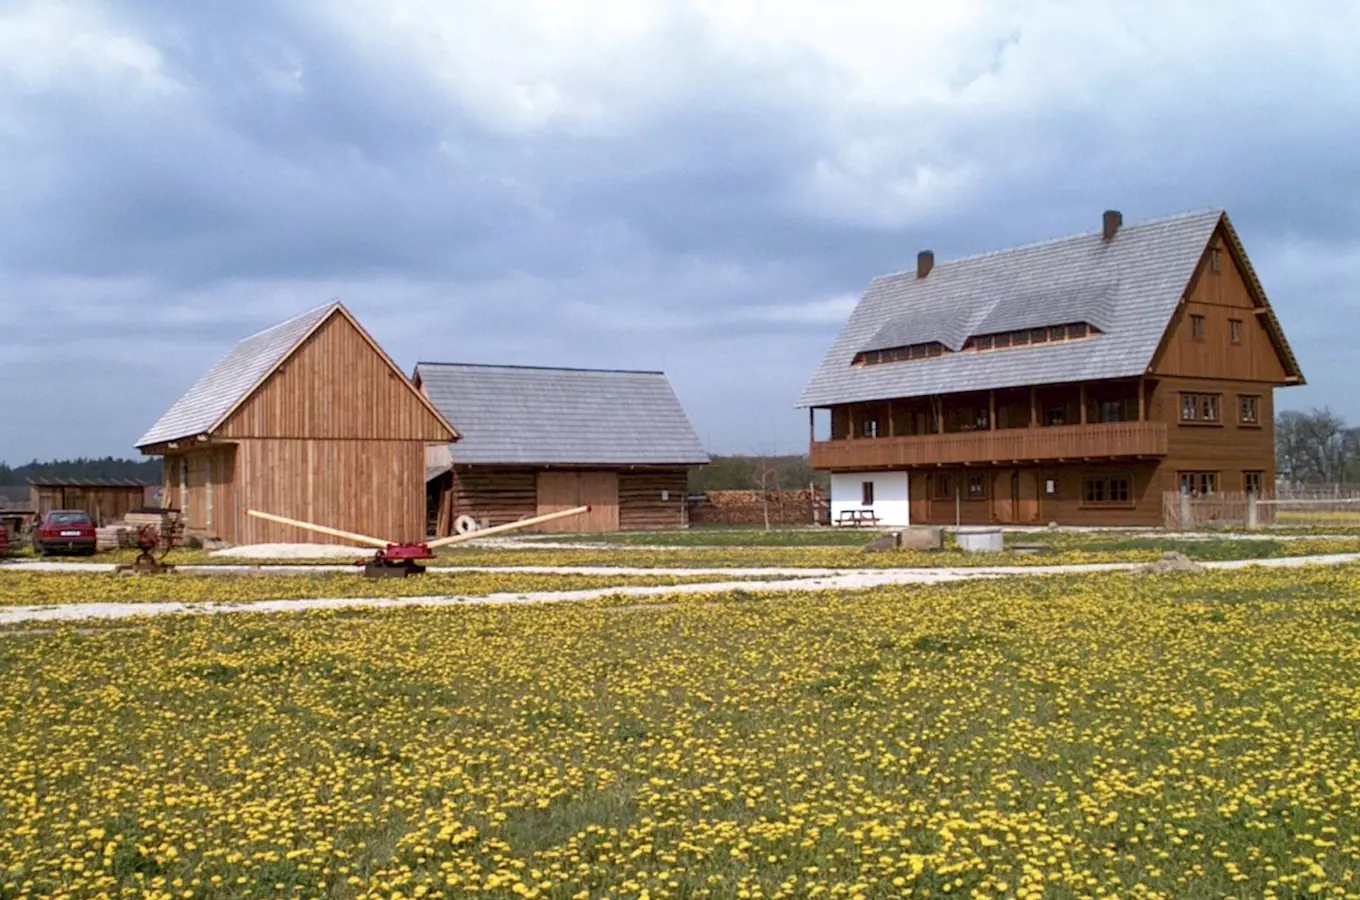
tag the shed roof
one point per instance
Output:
(89, 483)
(1128, 287)
(528, 415)
(213, 398)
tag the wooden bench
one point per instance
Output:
(857, 517)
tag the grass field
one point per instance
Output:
(36, 589)
(1078, 736)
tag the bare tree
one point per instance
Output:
(1315, 446)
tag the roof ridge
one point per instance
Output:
(541, 368)
(331, 305)
(1046, 242)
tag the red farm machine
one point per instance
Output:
(399, 560)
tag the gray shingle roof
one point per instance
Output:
(523, 415)
(1128, 287)
(235, 376)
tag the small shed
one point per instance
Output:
(535, 440)
(105, 499)
(309, 419)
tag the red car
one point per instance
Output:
(68, 531)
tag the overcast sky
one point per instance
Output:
(703, 187)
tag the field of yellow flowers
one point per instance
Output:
(1114, 735)
(20, 588)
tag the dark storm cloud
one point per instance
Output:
(275, 162)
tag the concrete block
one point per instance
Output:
(921, 537)
(980, 540)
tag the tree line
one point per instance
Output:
(1316, 447)
(146, 470)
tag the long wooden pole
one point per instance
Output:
(509, 526)
(321, 529)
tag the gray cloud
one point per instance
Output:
(703, 222)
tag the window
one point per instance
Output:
(1199, 482)
(1107, 490)
(1197, 328)
(866, 493)
(1199, 407)
(1235, 330)
(944, 488)
(1249, 410)
(1055, 415)
(1252, 482)
(1110, 411)
(1213, 257)
(977, 486)
(868, 428)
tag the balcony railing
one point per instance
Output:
(1106, 440)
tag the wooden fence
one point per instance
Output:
(1335, 506)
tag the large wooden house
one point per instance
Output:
(309, 419)
(1074, 381)
(535, 440)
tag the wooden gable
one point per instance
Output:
(336, 384)
(1224, 327)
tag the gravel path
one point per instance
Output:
(824, 580)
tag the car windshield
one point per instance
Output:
(69, 518)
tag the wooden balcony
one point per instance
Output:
(1110, 440)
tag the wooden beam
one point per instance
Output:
(1033, 407)
(991, 410)
(850, 418)
(890, 419)
(1081, 394)
(1142, 399)
(939, 415)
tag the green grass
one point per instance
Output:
(1188, 737)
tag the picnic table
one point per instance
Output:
(857, 517)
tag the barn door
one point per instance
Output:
(564, 490)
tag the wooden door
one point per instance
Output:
(1027, 496)
(564, 490)
(1006, 496)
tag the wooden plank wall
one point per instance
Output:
(640, 498)
(375, 488)
(1220, 296)
(598, 489)
(507, 494)
(336, 386)
(1229, 448)
(104, 503)
(1066, 506)
(497, 494)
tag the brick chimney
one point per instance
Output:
(925, 261)
(1112, 219)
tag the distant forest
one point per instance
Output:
(146, 470)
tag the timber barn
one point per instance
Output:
(535, 440)
(105, 499)
(309, 419)
(1076, 380)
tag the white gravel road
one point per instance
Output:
(806, 580)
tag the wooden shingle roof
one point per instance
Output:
(1127, 287)
(525, 415)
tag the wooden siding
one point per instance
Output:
(1229, 448)
(1015, 495)
(1050, 443)
(641, 502)
(104, 503)
(335, 386)
(375, 488)
(1220, 297)
(494, 494)
(501, 494)
(598, 489)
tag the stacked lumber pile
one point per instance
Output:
(748, 508)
